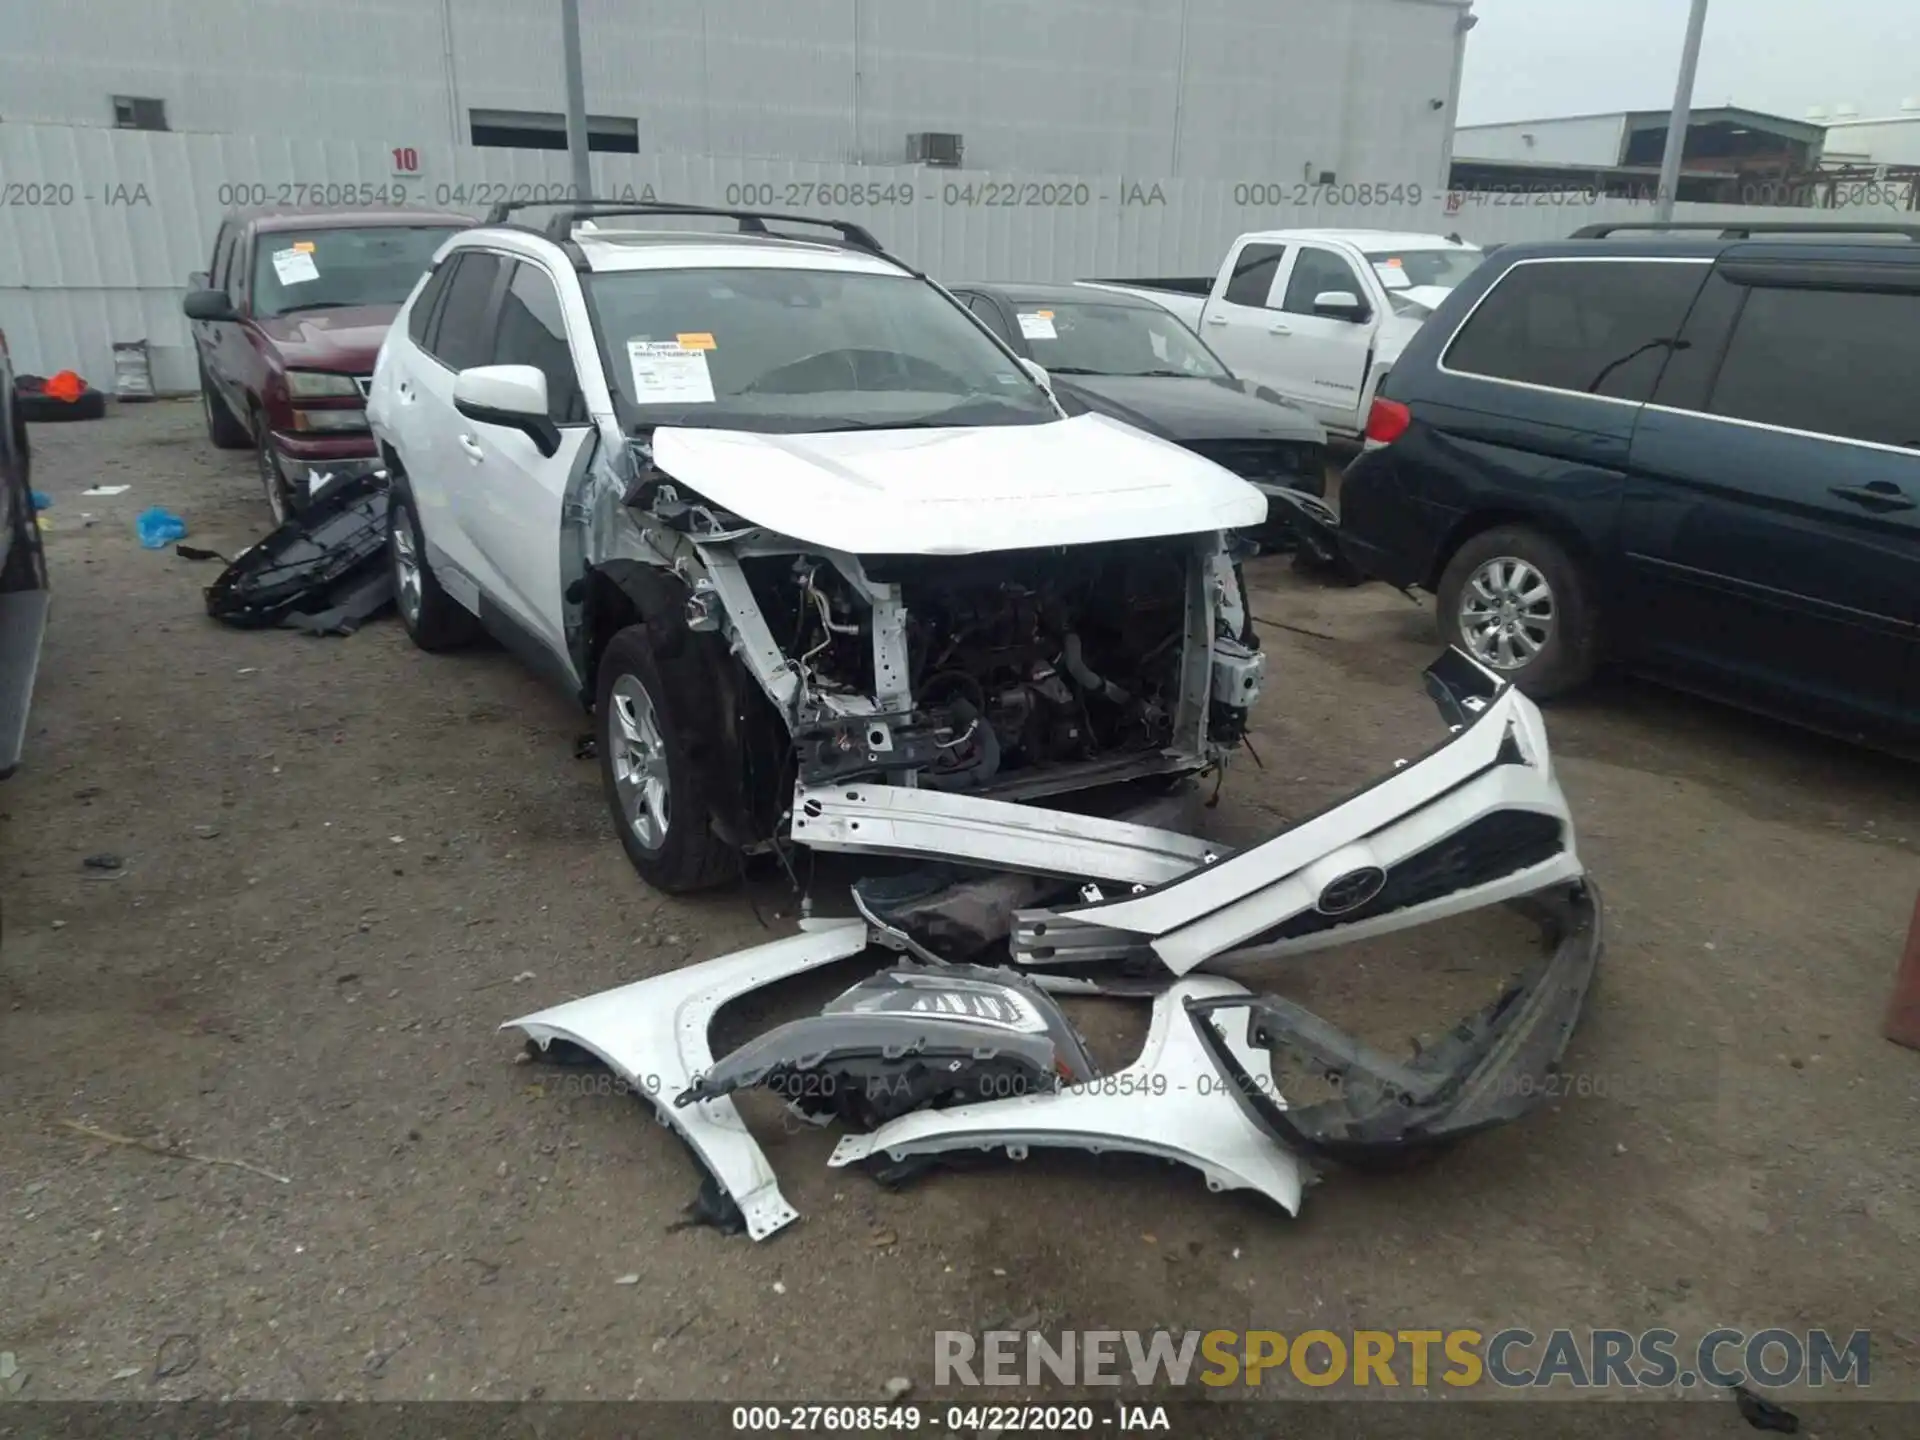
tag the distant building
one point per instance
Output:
(1893, 140)
(1732, 156)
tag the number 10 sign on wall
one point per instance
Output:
(406, 162)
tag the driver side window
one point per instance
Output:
(1315, 272)
(533, 332)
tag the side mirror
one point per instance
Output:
(511, 396)
(1341, 305)
(209, 305)
(1039, 374)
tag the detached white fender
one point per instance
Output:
(653, 1034)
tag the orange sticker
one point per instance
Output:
(306, 245)
(1396, 263)
(697, 340)
(1044, 314)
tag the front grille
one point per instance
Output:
(1278, 462)
(1492, 847)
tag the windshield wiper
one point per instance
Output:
(1074, 370)
(323, 305)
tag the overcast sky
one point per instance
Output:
(1528, 59)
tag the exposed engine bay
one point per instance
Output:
(1007, 666)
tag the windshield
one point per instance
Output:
(1417, 269)
(1089, 338)
(325, 269)
(797, 350)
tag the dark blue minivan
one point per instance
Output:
(1692, 450)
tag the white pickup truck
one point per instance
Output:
(1317, 315)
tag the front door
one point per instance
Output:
(510, 510)
(1324, 359)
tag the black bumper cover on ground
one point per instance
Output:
(1491, 1068)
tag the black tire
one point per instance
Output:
(1565, 659)
(223, 427)
(433, 619)
(284, 498)
(685, 854)
(42, 409)
(26, 567)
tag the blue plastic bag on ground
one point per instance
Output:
(159, 528)
(41, 500)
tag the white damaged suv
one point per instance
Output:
(787, 517)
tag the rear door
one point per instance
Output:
(1772, 526)
(1321, 361)
(1529, 410)
(1242, 316)
(509, 505)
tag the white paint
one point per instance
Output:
(653, 1034)
(1171, 1103)
(961, 491)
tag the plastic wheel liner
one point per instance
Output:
(911, 1037)
(653, 1034)
(1172, 1103)
(1492, 1067)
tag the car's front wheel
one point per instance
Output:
(282, 498)
(223, 429)
(656, 759)
(434, 620)
(1518, 603)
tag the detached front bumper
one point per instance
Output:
(1492, 1067)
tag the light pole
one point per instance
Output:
(1682, 114)
(577, 100)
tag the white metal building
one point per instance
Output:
(1240, 89)
(1893, 140)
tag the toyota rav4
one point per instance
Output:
(785, 515)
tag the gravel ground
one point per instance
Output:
(346, 863)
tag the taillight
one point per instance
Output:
(1387, 422)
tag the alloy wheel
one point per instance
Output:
(1507, 613)
(639, 762)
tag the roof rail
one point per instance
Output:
(752, 222)
(1743, 230)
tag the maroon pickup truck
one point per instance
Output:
(286, 324)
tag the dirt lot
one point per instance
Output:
(346, 863)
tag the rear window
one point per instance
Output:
(1593, 327)
(1835, 362)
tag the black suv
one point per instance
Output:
(1697, 454)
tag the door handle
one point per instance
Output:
(1216, 319)
(472, 447)
(1279, 330)
(1882, 496)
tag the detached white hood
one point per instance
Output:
(961, 491)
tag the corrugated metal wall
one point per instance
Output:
(99, 229)
(1228, 88)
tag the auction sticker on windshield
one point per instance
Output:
(1393, 274)
(1037, 325)
(670, 372)
(295, 266)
